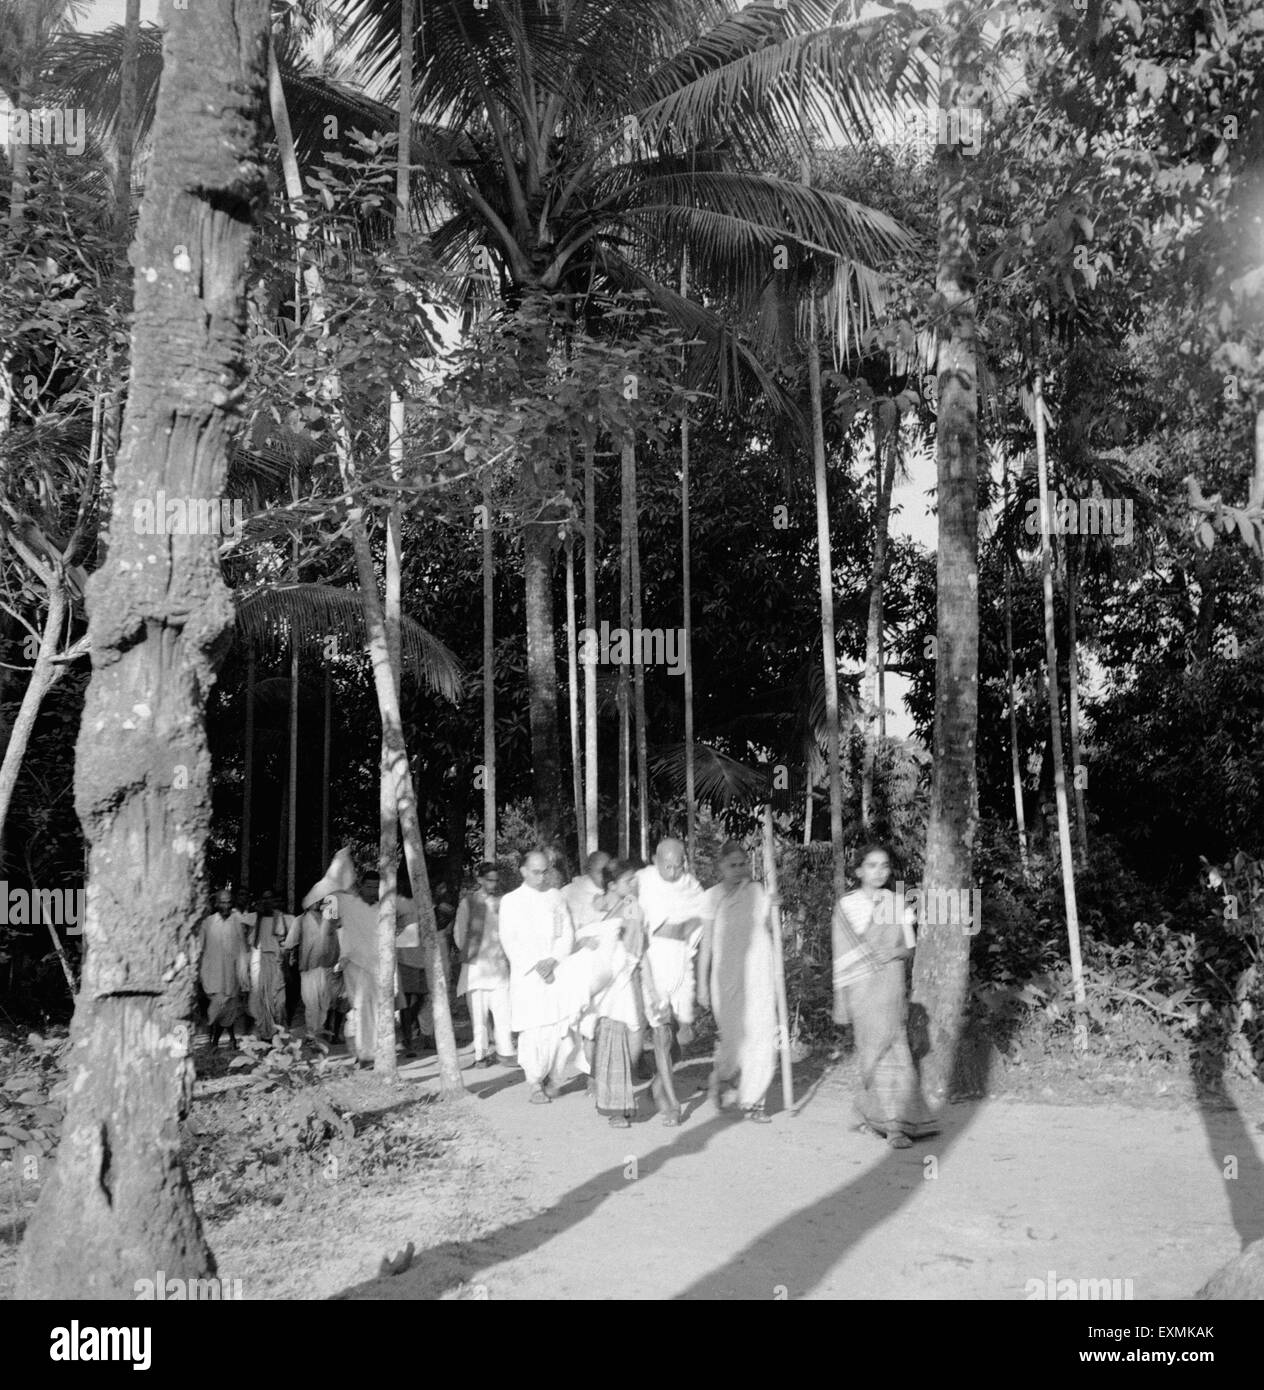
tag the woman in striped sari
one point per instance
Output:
(873, 936)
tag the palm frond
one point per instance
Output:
(720, 781)
(313, 614)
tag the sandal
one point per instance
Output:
(539, 1096)
(898, 1140)
(756, 1114)
(671, 1118)
(620, 1122)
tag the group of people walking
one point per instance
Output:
(590, 975)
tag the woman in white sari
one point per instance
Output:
(735, 980)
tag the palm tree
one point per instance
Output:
(592, 146)
(941, 969)
(119, 1205)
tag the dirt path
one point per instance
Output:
(807, 1208)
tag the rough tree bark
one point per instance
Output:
(942, 965)
(118, 1206)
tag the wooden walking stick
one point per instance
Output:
(778, 963)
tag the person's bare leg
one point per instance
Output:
(663, 1088)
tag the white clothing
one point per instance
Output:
(495, 1002)
(670, 963)
(535, 925)
(580, 896)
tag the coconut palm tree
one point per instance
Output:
(595, 145)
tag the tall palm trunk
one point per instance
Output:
(405, 800)
(572, 681)
(942, 967)
(126, 122)
(638, 669)
(1073, 712)
(388, 828)
(686, 586)
(19, 163)
(326, 769)
(1016, 771)
(118, 1205)
(291, 827)
(885, 481)
(546, 758)
(590, 666)
(248, 771)
(489, 675)
(1055, 721)
(398, 771)
(625, 622)
(829, 652)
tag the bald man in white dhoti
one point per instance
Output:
(674, 906)
(546, 993)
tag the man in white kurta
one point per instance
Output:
(674, 905)
(537, 935)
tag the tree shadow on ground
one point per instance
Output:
(442, 1267)
(1229, 1141)
(795, 1255)
(791, 1259)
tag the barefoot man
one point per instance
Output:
(537, 936)
(674, 906)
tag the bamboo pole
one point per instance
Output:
(638, 677)
(325, 773)
(778, 963)
(1055, 723)
(686, 566)
(590, 667)
(291, 843)
(572, 677)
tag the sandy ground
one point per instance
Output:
(561, 1206)
(549, 1202)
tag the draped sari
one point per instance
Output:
(870, 947)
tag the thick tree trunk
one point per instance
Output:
(590, 667)
(1078, 770)
(489, 676)
(942, 966)
(829, 651)
(118, 1205)
(1055, 721)
(126, 123)
(885, 480)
